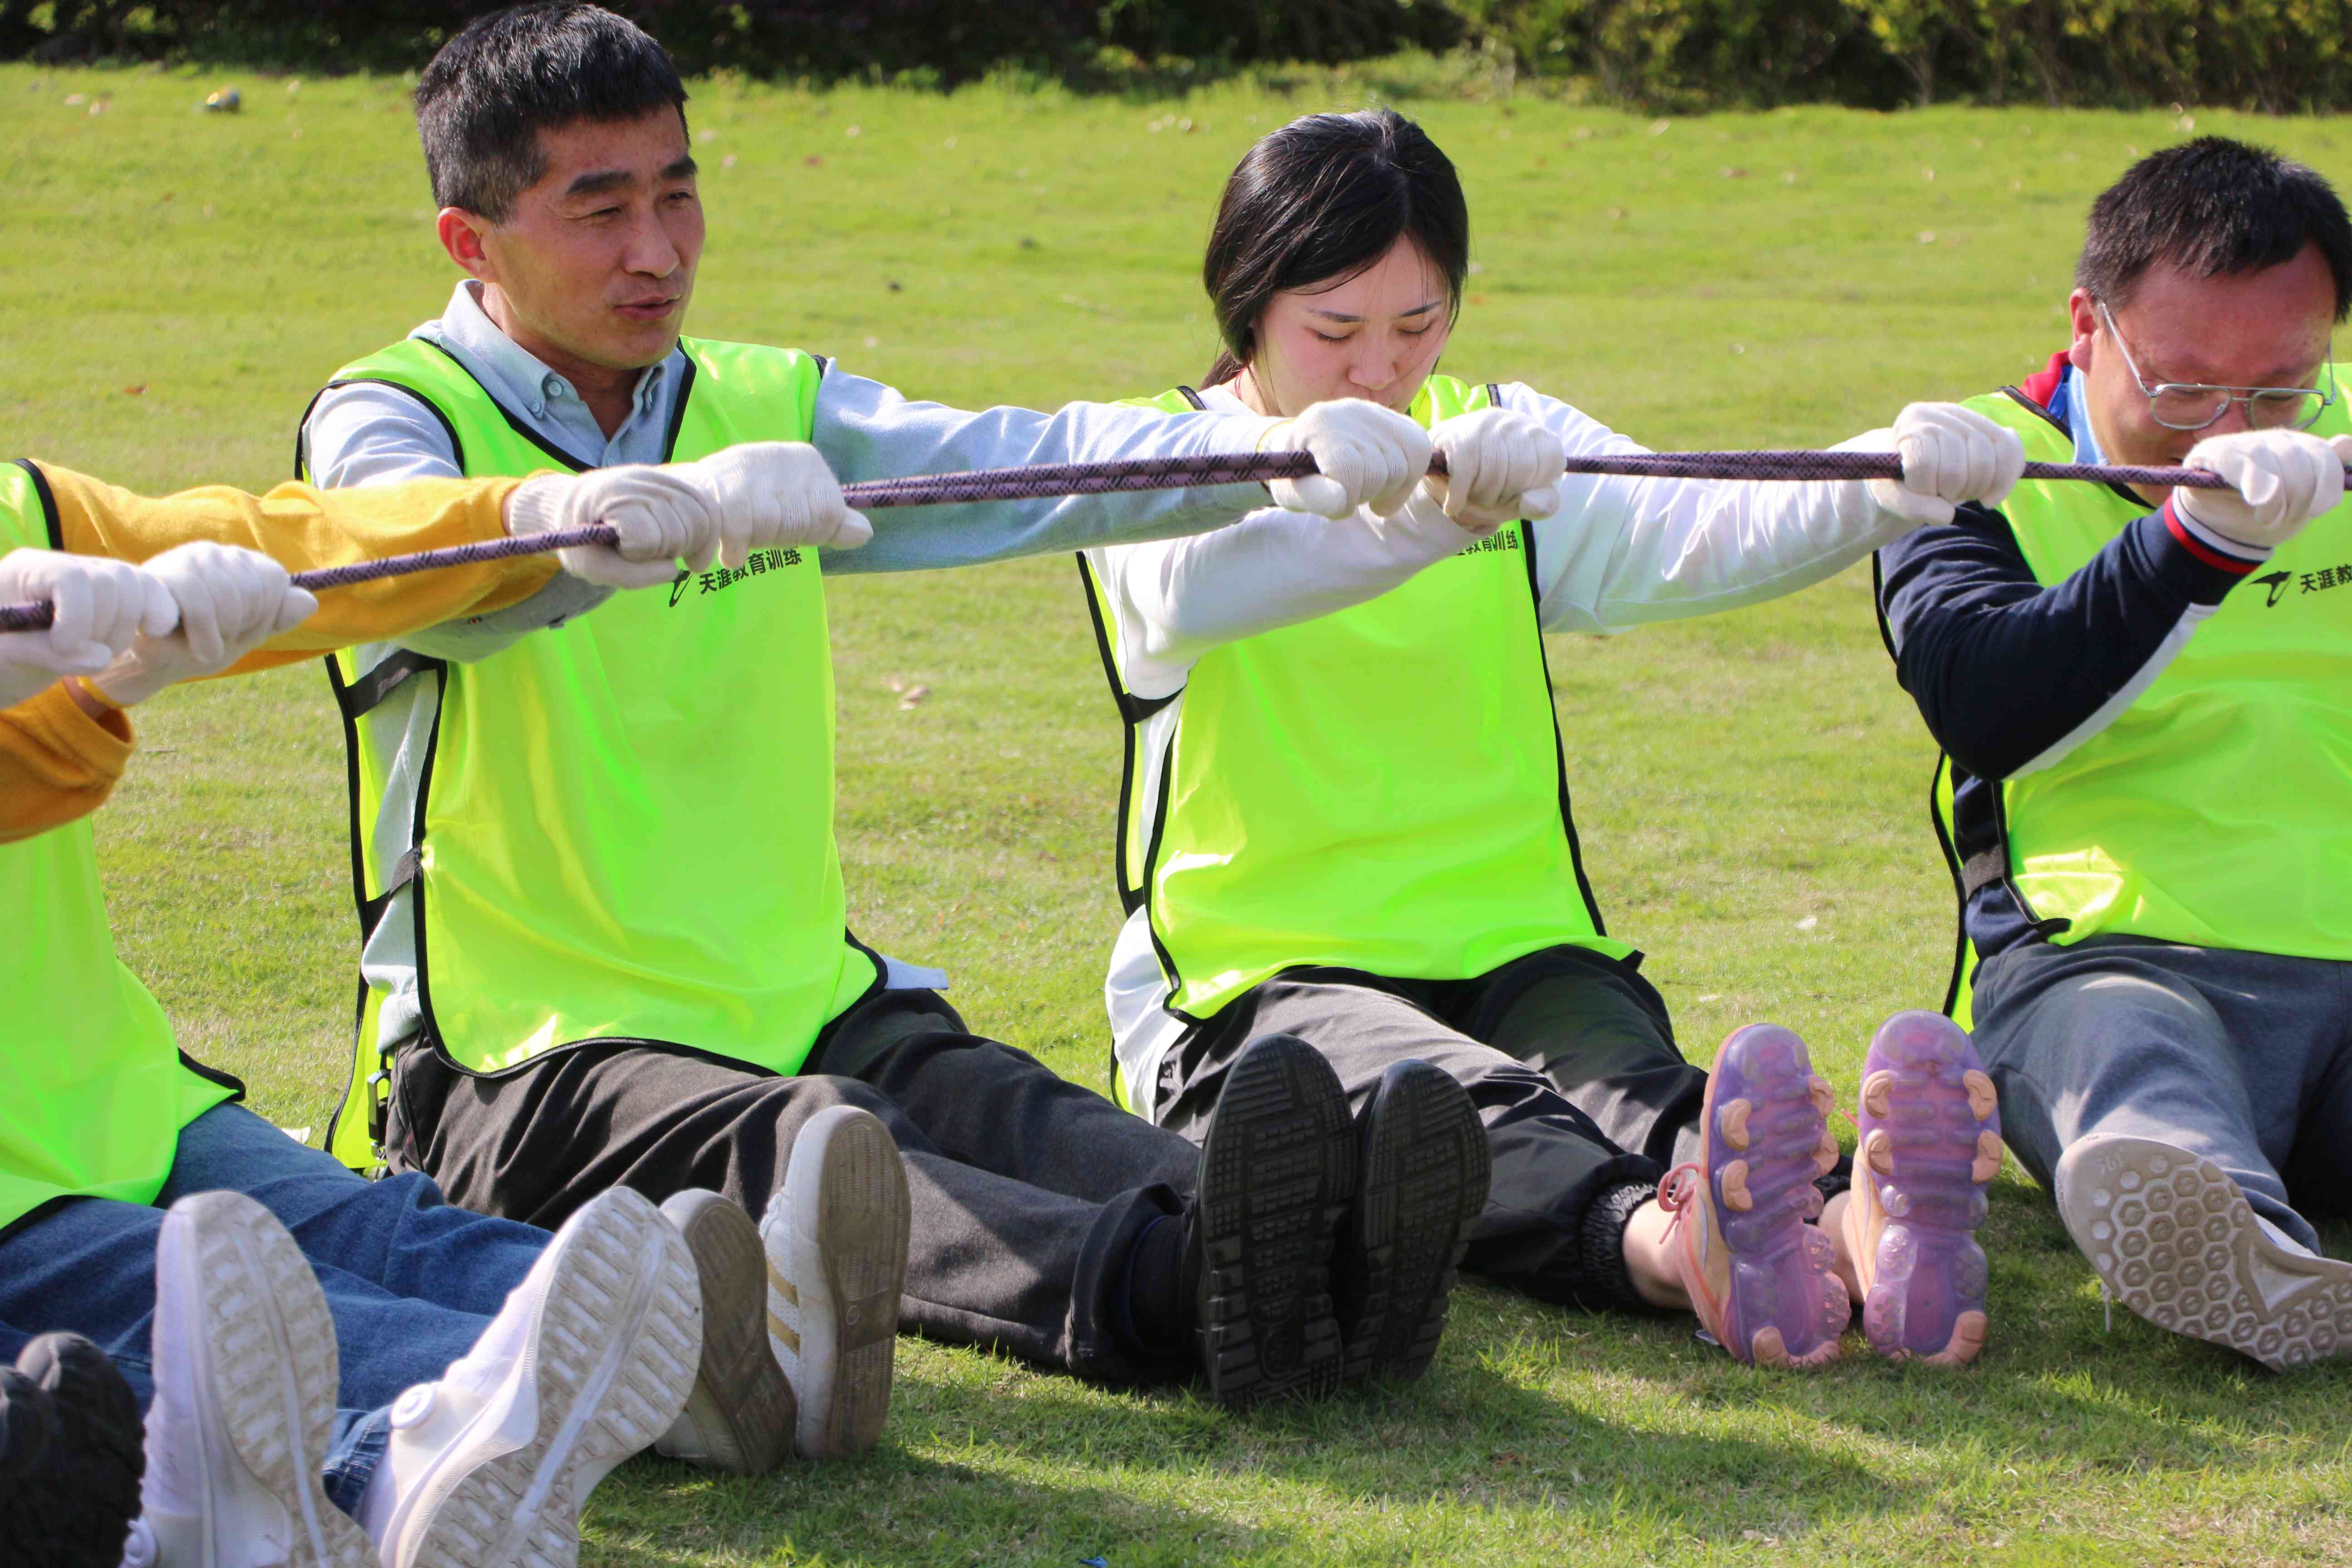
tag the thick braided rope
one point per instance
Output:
(1215, 468)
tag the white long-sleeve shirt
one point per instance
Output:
(1620, 551)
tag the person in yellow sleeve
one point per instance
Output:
(433, 1361)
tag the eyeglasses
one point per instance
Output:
(2192, 406)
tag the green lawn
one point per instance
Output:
(1751, 789)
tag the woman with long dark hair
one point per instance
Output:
(1346, 817)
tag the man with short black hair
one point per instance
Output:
(606, 939)
(2144, 702)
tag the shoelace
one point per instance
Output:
(1678, 1187)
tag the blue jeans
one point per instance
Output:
(411, 1282)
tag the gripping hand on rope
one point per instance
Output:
(729, 504)
(1364, 454)
(100, 605)
(226, 602)
(1500, 466)
(1951, 455)
(2279, 480)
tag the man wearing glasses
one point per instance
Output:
(2144, 702)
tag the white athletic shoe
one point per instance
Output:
(835, 1235)
(589, 1362)
(2175, 1241)
(246, 1380)
(741, 1415)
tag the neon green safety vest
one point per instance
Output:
(1379, 789)
(97, 1091)
(2217, 809)
(626, 827)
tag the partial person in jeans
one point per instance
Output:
(1346, 807)
(606, 938)
(332, 1371)
(2145, 703)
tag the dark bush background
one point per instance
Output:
(2280, 56)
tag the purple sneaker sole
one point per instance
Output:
(1930, 1143)
(1767, 1139)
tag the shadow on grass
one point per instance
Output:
(899, 1507)
(1599, 1427)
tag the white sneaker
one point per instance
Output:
(246, 1379)
(589, 1362)
(741, 1414)
(835, 1235)
(2174, 1239)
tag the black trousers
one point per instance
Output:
(1568, 1055)
(1028, 1191)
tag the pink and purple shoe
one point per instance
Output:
(1930, 1143)
(1759, 1275)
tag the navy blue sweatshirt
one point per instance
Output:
(2010, 675)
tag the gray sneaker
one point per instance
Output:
(740, 1417)
(2173, 1238)
(835, 1235)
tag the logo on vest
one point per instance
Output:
(1507, 539)
(2316, 581)
(762, 562)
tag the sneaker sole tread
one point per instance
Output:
(1277, 1173)
(620, 1330)
(2175, 1241)
(1926, 1118)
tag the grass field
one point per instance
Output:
(1751, 789)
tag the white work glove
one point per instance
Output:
(743, 499)
(230, 602)
(775, 493)
(1501, 465)
(661, 516)
(1951, 455)
(2280, 479)
(1364, 454)
(100, 605)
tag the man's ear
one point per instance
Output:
(2082, 322)
(462, 234)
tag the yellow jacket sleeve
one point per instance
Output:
(56, 762)
(302, 528)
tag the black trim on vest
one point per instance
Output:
(2017, 395)
(880, 983)
(303, 430)
(389, 674)
(1559, 740)
(370, 908)
(1132, 712)
(1960, 974)
(678, 409)
(213, 1075)
(403, 871)
(1151, 921)
(514, 421)
(50, 521)
(1989, 866)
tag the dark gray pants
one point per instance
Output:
(2243, 1057)
(1569, 1056)
(1028, 1191)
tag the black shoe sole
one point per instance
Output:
(1425, 1171)
(74, 1508)
(1276, 1172)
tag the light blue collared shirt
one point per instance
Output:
(2078, 418)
